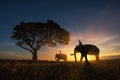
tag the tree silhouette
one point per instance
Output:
(32, 36)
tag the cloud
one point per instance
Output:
(7, 43)
(107, 42)
(8, 55)
(13, 55)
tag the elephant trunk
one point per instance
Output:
(56, 57)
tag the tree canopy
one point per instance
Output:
(32, 36)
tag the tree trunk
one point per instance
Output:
(34, 56)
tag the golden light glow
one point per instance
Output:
(90, 57)
(104, 41)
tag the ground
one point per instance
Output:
(51, 70)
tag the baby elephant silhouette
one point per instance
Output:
(86, 49)
(60, 56)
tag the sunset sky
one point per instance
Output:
(91, 21)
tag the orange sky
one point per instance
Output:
(104, 41)
(91, 21)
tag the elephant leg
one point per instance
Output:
(81, 58)
(97, 57)
(56, 59)
(86, 58)
(65, 59)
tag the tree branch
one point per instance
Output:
(26, 48)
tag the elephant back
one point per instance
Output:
(93, 49)
(61, 56)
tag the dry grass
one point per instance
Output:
(45, 70)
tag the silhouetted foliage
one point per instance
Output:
(32, 35)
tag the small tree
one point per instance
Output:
(32, 35)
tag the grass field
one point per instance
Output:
(50, 70)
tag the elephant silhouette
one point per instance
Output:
(60, 56)
(86, 49)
